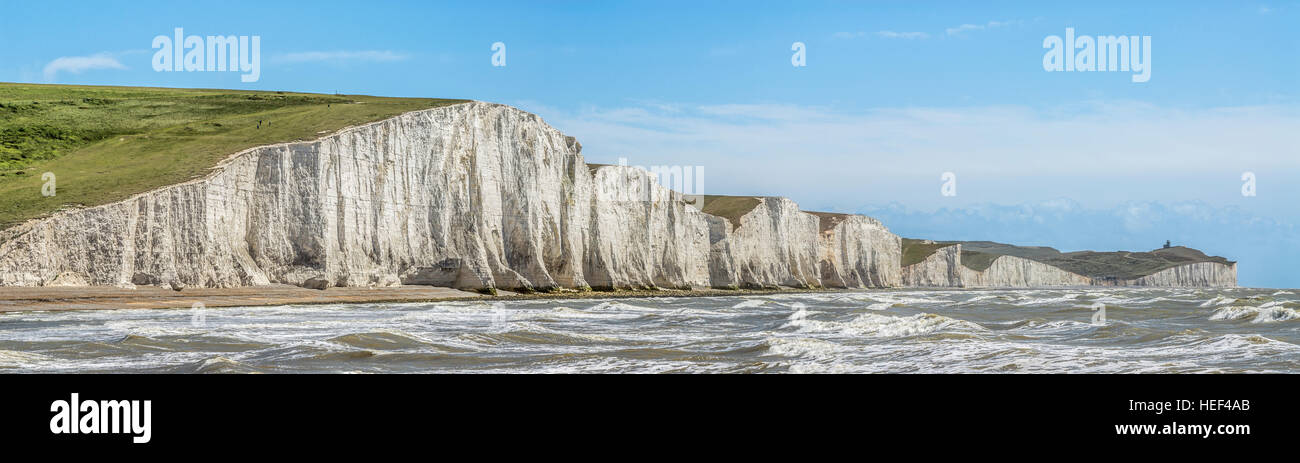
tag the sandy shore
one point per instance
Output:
(21, 299)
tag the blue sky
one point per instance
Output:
(893, 95)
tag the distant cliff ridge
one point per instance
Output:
(989, 264)
(484, 196)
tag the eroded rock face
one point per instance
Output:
(643, 235)
(859, 252)
(1016, 272)
(941, 269)
(944, 269)
(1199, 274)
(775, 245)
(471, 196)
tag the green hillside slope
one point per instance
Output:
(104, 144)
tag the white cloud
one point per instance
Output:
(1134, 150)
(339, 56)
(963, 28)
(978, 27)
(903, 35)
(79, 64)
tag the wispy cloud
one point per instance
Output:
(1139, 150)
(79, 64)
(340, 56)
(903, 35)
(978, 27)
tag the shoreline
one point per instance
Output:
(70, 298)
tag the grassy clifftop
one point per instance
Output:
(1123, 265)
(104, 144)
(731, 208)
(916, 251)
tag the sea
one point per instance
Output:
(1067, 330)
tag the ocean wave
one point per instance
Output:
(1218, 301)
(618, 307)
(749, 303)
(382, 340)
(219, 364)
(16, 359)
(1269, 312)
(886, 326)
(802, 347)
(1049, 300)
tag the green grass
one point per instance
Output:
(731, 208)
(915, 251)
(827, 220)
(105, 144)
(977, 261)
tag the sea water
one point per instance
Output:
(877, 331)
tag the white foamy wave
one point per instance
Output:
(618, 306)
(803, 347)
(748, 303)
(1282, 293)
(901, 299)
(15, 359)
(1218, 301)
(983, 297)
(1055, 327)
(1050, 300)
(870, 324)
(1244, 343)
(1270, 312)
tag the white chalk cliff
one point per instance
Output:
(1198, 274)
(944, 268)
(1017, 272)
(473, 196)
(858, 252)
(940, 269)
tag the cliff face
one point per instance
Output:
(1016, 272)
(644, 235)
(859, 252)
(472, 196)
(944, 269)
(1198, 274)
(941, 269)
(476, 196)
(775, 245)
